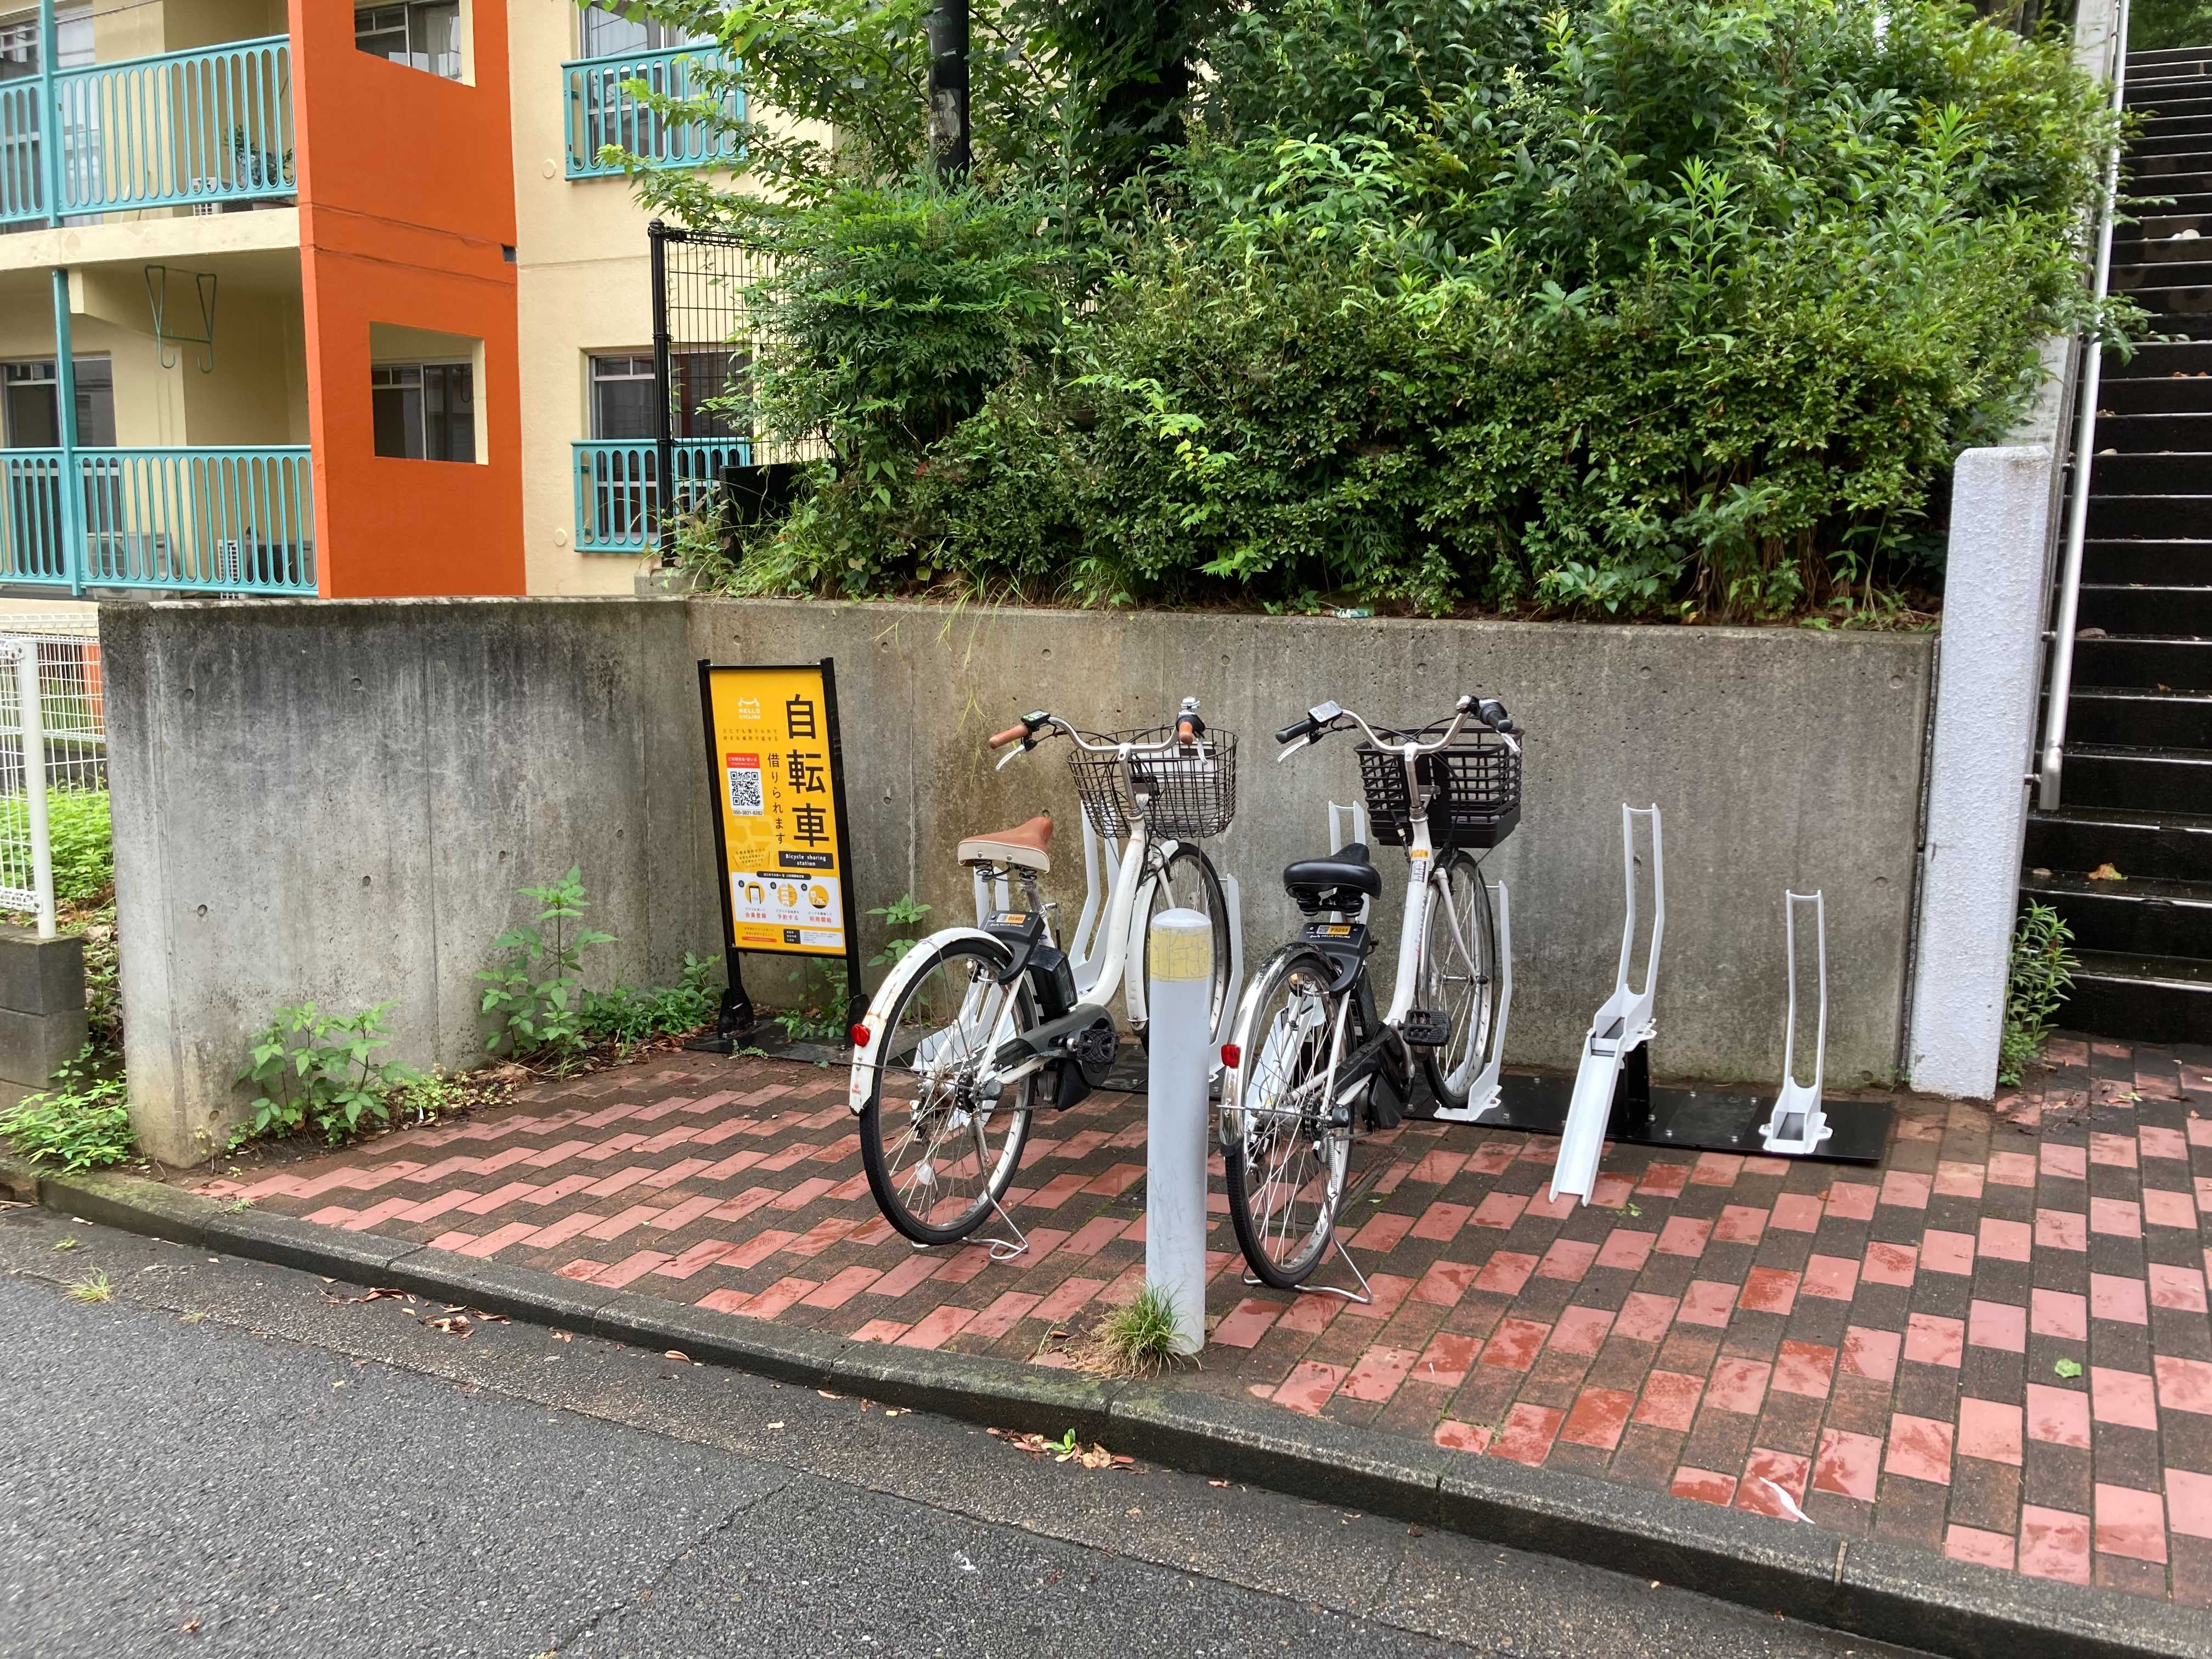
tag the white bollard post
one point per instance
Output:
(34, 726)
(1174, 1156)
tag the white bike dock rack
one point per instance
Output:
(1798, 1124)
(1622, 1031)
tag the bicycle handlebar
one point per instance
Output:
(1327, 717)
(1189, 730)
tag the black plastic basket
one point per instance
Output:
(1188, 793)
(1478, 800)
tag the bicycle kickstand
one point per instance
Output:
(1001, 1249)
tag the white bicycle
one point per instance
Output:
(1310, 1057)
(976, 1028)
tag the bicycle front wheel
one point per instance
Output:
(940, 1140)
(1458, 977)
(1286, 1152)
(1189, 881)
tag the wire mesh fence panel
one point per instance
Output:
(63, 755)
(713, 335)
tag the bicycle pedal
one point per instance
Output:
(1425, 1028)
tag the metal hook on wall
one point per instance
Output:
(157, 293)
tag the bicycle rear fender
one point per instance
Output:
(867, 1057)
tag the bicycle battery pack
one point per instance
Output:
(1047, 966)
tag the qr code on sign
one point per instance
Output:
(744, 773)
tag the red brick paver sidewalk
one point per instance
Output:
(1996, 1346)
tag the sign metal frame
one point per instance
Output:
(737, 1015)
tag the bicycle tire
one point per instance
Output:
(1193, 862)
(1249, 1130)
(884, 1163)
(1452, 1067)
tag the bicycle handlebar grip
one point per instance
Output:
(1296, 729)
(1189, 729)
(1013, 733)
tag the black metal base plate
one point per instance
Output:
(1695, 1120)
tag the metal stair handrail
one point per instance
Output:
(2052, 763)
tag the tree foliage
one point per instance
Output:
(1638, 308)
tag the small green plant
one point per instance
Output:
(317, 1071)
(536, 999)
(103, 993)
(625, 1015)
(64, 1244)
(81, 1122)
(820, 1014)
(2041, 975)
(1136, 1338)
(79, 831)
(94, 1289)
(903, 912)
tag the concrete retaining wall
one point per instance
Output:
(1781, 758)
(338, 800)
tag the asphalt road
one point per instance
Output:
(223, 1458)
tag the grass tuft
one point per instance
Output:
(1135, 1339)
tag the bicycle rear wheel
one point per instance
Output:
(939, 1146)
(1458, 977)
(1286, 1155)
(1189, 881)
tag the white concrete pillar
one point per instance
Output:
(1176, 1070)
(1987, 684)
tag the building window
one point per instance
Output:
(424, 411)
(623, 392)
(423, 34)
(605, 32)
(30, 411)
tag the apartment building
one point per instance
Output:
(332, 299)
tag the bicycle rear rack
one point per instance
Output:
(1623, 1025)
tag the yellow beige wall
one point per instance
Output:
(584, 283)
(256, 392)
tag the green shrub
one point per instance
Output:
(318, 1072)
(536, 999)
(626, 1015)
(1635, 308)
(78, 830)
(2041, 973)
(81, 1122)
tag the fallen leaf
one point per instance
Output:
(562, 1336)
(1217, 1483)
(451, 1324)
(826, 1394)
(2105, 873)
(678, 1353)
(2067, 1368)
(775, 1425)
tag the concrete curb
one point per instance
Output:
(1867, 1587)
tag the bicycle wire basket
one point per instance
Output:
(1188, 793)
(1478, 790)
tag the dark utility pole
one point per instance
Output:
(950, 151)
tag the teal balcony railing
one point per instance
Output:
(190, 520)
(618, 489)
(187, 128)
(602, 111)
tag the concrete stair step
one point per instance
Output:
(2180, 390)
(2142, 999)
(2076, 840)
(2181, 517)
(2139, 609)
(2165, 434)
(2148, 662)
(2159, 781)
(2139, 916)
(2153, 472)
(2122, 717)
(2146, 564)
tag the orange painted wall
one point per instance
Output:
(406, 199)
